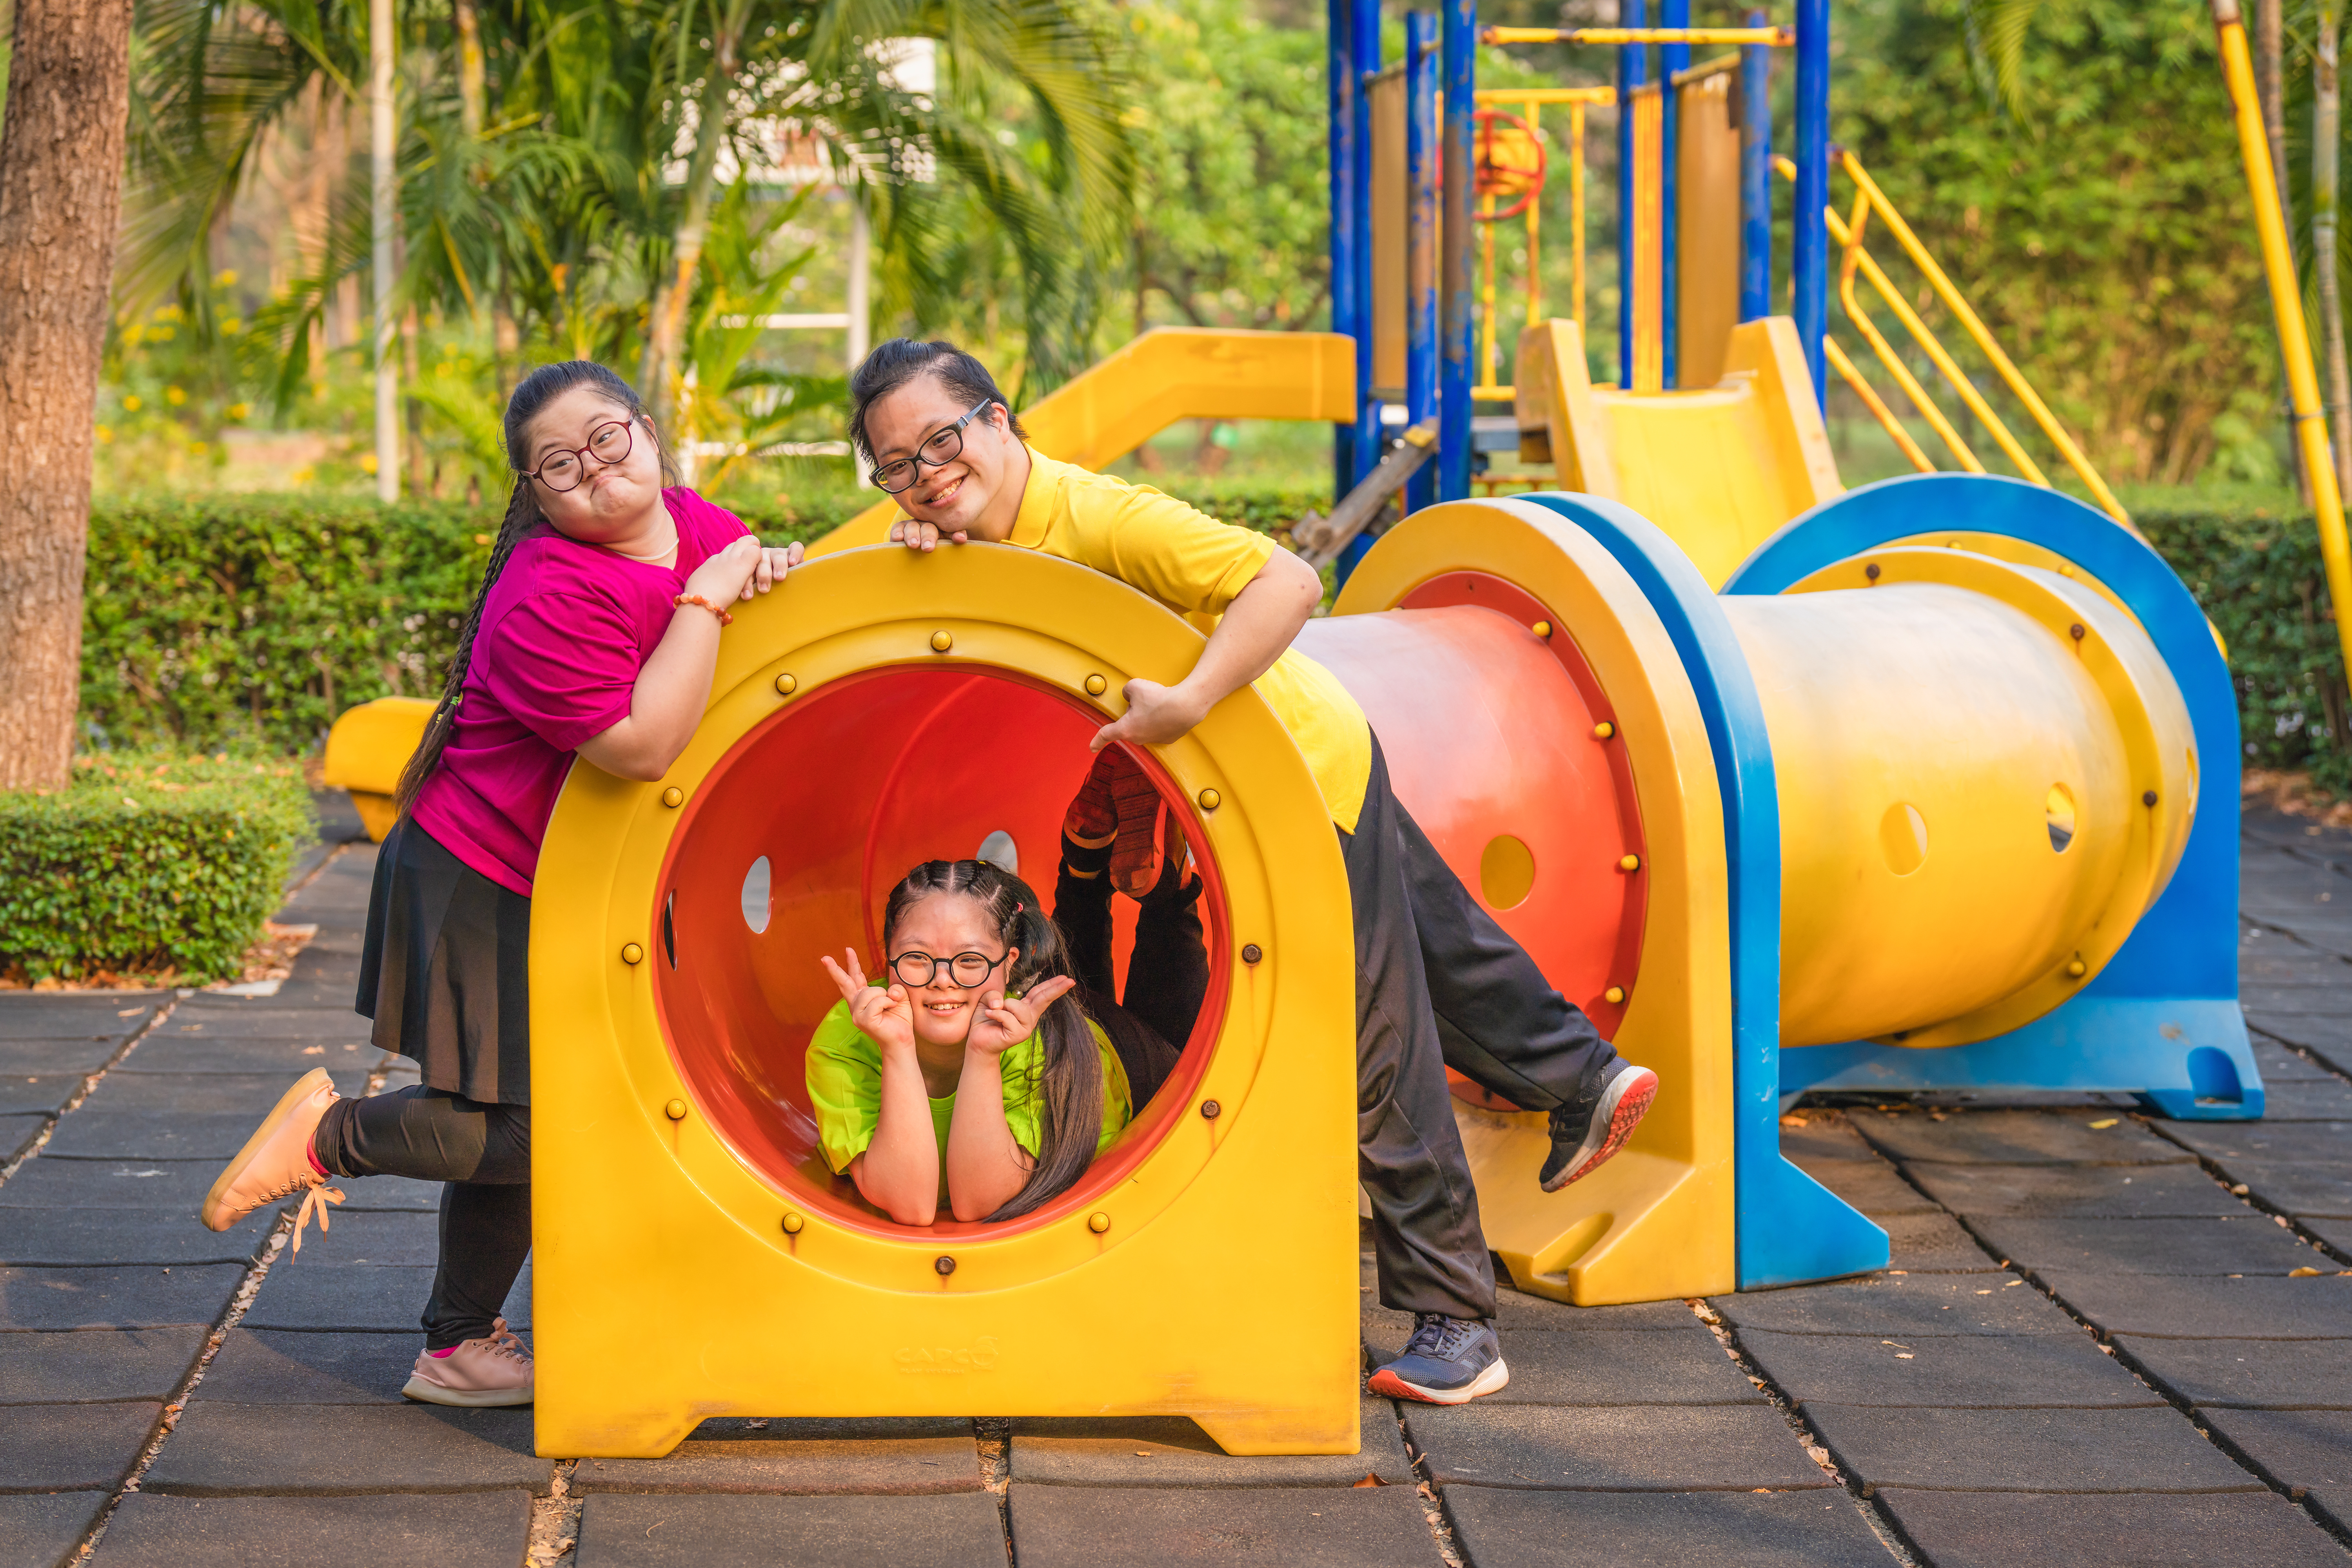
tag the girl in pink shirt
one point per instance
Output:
(594, 636)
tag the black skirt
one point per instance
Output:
(445, 969)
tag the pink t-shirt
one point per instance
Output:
(564, 632)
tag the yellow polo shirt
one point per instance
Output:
(1195, 565)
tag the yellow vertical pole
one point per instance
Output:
(2287, 303)
(1487, 294)
(1535, 225)
(1576, 203)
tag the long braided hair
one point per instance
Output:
(524, 519)
(1072, 1071)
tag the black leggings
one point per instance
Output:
(1166, 974)
(482, 1151)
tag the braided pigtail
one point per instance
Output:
(1071, 1074)
(521, 512)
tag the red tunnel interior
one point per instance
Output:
(839, 793)
(1493, 740)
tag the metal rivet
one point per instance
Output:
(786, 685)
(675, 1110)
(1541, 628)
(1210, 800)
(1604, 729)
(2076, 631)
(1613, 995)
(632, 953)
(1251, 953)
(1096, 685)
(793, 1223)
(940, 643)
(943, 1263)
(673, 797)
(1871, 571)
(1098, 1222)
(2065, 571)
(1629, 863)
(2076, 968)
(1210, 1109)
(2147, 797)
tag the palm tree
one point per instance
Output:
(542, 186)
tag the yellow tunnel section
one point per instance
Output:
(1986, 775)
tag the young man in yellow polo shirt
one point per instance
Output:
(1438, 981)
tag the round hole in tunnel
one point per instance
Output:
(1903, 838)
(2058, 815)
(998, 850)
(755, 895)
(838, 794)
(1507, 872)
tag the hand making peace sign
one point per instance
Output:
(1005, 1022)
(885, 1017)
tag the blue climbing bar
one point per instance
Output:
(1671, 57)
(1810, 265)
(1420, 151)
(1460, 94)
(1755, 177)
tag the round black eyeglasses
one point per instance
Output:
(942, 447)
(563, 468)
(966, 969)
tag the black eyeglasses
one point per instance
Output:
(966, 969)
(562, 469)
(941, 448)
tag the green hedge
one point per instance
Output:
(146, 865)
(2259, 576)
(251, 622)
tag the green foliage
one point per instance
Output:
(253, 621)
(146, 863)
(2258, 574)
(1236, 177)
(2106, 239)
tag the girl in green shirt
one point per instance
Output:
(975, 1074)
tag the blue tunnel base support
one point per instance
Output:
(2188, 1059)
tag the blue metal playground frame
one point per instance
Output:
(1438, 352)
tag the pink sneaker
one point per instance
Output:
(276, 1161)
(493, 1371)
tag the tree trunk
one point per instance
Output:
(2326, 140)
(2270, 87)
(665, 328)
(60, 199)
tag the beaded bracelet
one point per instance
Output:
(725, 618)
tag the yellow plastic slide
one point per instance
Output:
(1719, 468)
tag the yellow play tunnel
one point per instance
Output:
(1986, 777)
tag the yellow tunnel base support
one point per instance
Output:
(1655, 1222)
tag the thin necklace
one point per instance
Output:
(655, 558)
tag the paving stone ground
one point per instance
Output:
(2105, 1339)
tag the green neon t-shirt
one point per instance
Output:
(845, 1084)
